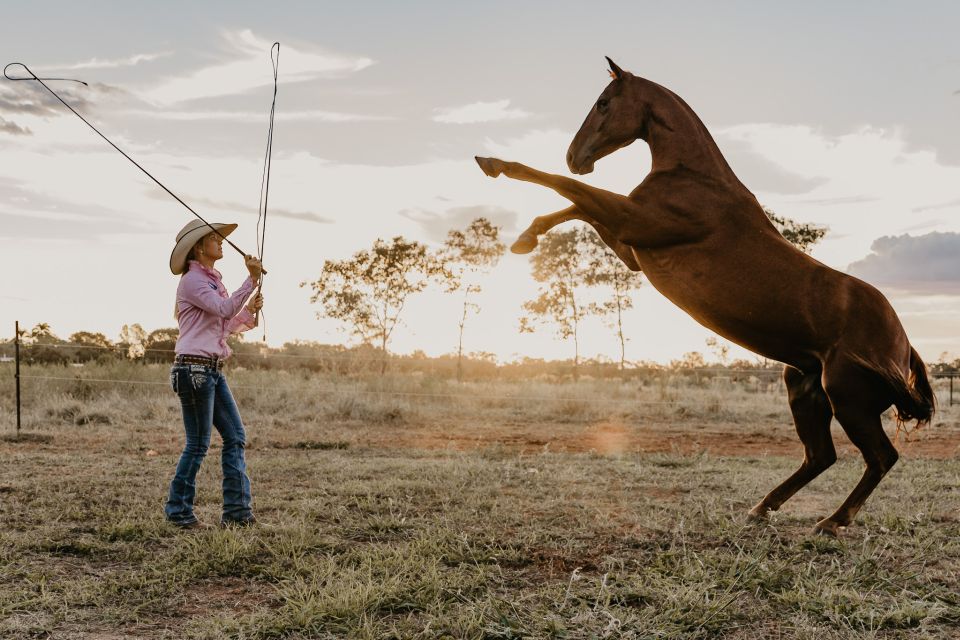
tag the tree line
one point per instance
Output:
(368, 291)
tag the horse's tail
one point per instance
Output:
(919, 402)
(913, 397)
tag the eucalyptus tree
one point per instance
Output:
(802, 235)
(560, 267)
(604, 269)
(368, 291)
(467, 257)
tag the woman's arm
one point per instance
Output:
(247, 318)
(197, 289)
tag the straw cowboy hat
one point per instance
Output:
(191, 233)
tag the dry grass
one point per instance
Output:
(393, 515)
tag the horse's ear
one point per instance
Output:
(615, 72)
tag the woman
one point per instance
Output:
(207, 316)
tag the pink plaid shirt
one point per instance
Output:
(207, 315)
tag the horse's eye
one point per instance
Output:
(602, 105)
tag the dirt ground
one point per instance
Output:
(613, 437)
(437, 525)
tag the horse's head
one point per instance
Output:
(615, 120)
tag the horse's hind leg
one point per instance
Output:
(527, 241)
(811, 416)
(858, 403)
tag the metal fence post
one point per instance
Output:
(16, 349)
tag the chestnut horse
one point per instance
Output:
(705, 243)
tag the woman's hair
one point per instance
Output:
(191, 255)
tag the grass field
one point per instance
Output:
(391, 510)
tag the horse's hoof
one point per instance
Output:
(526, 243)
(827, 528)
(757, 514)
(490, 166)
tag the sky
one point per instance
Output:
(840, 114)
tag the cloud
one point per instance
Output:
(837, 200)
(13, 128)
(436, 225)
(248, 67)
(878, 183)
(916, 264)
(941, 205)
(257, 117)
(479, 112)
(29, 98)
(233, 207)
(64, 226)
(113, 63)
(760, 173)
(30, 213)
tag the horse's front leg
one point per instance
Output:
(630, 221)
(527, 241)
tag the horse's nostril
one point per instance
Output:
(569, 158)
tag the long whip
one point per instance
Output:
(33, 76)
(265, 178)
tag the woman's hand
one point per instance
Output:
(253, 266)
(255, 303)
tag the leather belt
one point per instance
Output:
(213, 362)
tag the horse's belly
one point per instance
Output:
(749, 311)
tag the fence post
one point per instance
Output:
(952, 376)
(16, 350)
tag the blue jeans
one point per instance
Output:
(206, 401)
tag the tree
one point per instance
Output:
(720, 348)
(605, 269)
(160, 343)
(689, 360)
(559, 265)
(42, 334)
(132, 338)
(91, 346)
(467, 256)
(90, 339)
(44, 346)
(368, 291)
(801, 234)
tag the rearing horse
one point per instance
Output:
(705, 243)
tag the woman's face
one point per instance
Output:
(212, 247)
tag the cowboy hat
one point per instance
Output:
(192, 233)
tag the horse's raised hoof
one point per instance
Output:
(491, 166)
(828, 528)
(526, 243)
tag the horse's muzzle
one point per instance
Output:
(579, 166)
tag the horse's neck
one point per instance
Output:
(677, 136)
